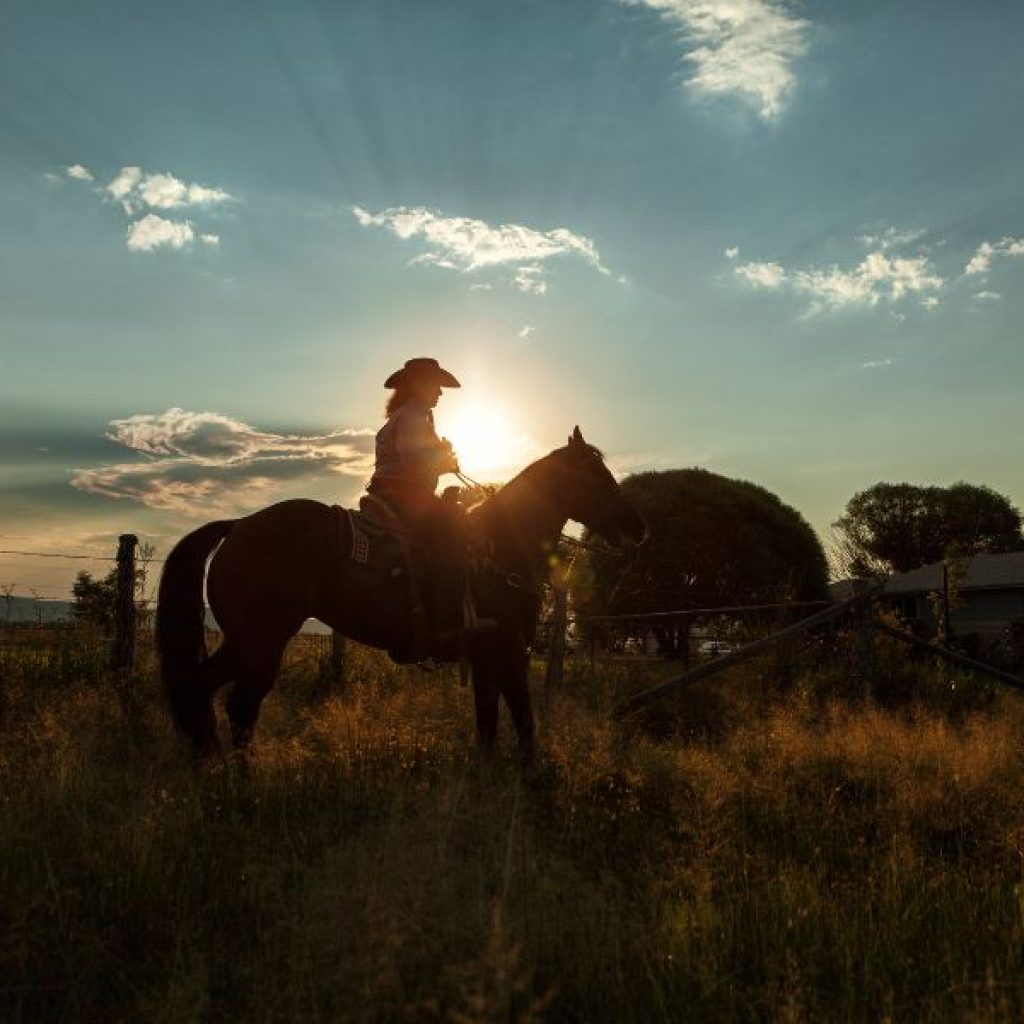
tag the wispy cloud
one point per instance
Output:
(738, 47)
(875, 364)
(765, 275)
(196, 462)
(988, 252)
(881, 276)
(467, 245)
(987, 296)
(531, 280)
(893, 238)
(78, 172)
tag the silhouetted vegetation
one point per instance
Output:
(899, 527)
(95, 600)
(713, 541)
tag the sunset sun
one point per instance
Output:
(489, 442)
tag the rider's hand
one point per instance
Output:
(449, 460)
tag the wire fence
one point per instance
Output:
(681, 633)
(52, 575)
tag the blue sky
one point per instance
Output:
(781, 241)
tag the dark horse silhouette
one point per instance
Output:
(291, 561)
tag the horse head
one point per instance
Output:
(592, 495)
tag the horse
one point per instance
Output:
(292, 561)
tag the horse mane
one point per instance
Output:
(524, 476)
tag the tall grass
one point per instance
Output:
(813, 860)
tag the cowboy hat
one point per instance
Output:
(421, 369)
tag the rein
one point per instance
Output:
(491, 489)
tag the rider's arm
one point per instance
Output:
(418, 445)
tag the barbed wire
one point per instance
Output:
(76, 557)
(58, 554)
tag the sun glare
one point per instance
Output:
(488, 443)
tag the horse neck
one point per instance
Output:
(524, 520)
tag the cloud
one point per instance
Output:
(987, 296)
(162, 191)
(530, 280)
(153, 232)
(467, 245)
(878, 277)
(738, 47)
(139, 194)
(986, 253)
(732, 252)
(892, 238)
(120, 188)
(875, 364)
(764, 275)
(215, 462)
(526, 331)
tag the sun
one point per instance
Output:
(487, 442)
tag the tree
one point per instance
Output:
(899, 527)
(713, 542)
(95, 600)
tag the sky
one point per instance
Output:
(781, 241)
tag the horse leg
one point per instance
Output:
(214, 672)
(485, 701)
(254, 679)
(515, 688)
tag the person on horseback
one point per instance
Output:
(410, 458)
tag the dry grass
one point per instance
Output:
(814, 860)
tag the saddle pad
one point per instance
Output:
(377, 545)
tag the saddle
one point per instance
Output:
(382, 542)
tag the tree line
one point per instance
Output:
(717, 541)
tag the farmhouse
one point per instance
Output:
(988, 600)
(990, 594)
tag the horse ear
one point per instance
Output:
(577, 437)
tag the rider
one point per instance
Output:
(410, 458)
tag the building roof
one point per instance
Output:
(983, 572)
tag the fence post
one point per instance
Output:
(337, 659)
(864, 626)
(556, 648)
(123, 654)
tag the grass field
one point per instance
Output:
(768, 857)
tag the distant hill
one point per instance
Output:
(28, 609)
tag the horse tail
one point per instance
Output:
(181, 630)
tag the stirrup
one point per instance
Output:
(472, 624)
